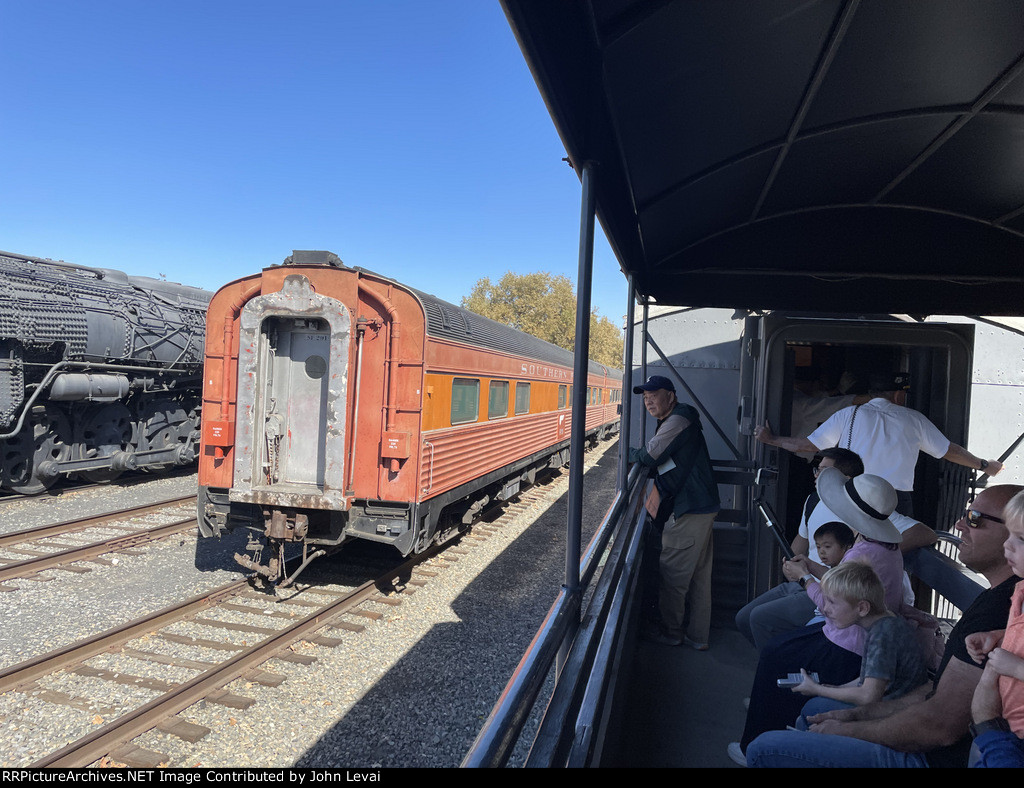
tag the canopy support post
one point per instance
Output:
(626, 404)
(581, 364)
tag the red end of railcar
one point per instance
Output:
(335, 406)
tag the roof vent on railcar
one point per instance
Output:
(313, 257)
(466, 323)
(446, 322)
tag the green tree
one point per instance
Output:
(544, 305)
(606, 341)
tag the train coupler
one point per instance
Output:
(286, 524)
(271, 570)
(267, 575)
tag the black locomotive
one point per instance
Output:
(100, 372)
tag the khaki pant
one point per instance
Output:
(685, 565)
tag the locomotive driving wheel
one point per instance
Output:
(25, 467)
(104, 432)
(166, 424)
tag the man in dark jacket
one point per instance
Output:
(684, 482)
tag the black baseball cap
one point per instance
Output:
(889, 381)
(654, 382)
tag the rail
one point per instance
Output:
(937, 569)
(581, 685)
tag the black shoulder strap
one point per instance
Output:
(849, 434)
(809, 504)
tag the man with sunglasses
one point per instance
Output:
(929, 727)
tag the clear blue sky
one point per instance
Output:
(205, 140)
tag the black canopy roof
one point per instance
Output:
(797, 154)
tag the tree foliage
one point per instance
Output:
(544, 305)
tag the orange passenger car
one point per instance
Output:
(339, 404)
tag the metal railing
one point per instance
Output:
(954, 586)
(580, 684)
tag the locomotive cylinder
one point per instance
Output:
(77, 386)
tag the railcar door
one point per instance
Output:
(294, 406)
(791, 350)
(292, 397)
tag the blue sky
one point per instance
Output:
(203, 141)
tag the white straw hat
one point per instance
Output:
(864, 503)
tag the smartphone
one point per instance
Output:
(795, 678)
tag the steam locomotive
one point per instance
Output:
(99, 372)
(339, 404)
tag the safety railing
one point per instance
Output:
(954, 586)
(567, 732)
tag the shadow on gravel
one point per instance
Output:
(426, 711)
(214, 554)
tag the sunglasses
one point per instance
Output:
(974, 518)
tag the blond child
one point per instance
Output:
(1004, 648)
(893, 663)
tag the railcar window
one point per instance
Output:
(522, 398)
(561, 396)
(497, 399)
(465, 400)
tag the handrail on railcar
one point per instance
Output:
(501, 731)
(955, 584)
(574, 728)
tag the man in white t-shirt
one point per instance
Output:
(886, 435)
(813, 404)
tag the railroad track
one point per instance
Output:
(301, 620)
(113, 698)
(43, 549)
(218, 620)
(72, 487)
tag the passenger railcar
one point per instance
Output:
(99, 372)
(343, 405)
